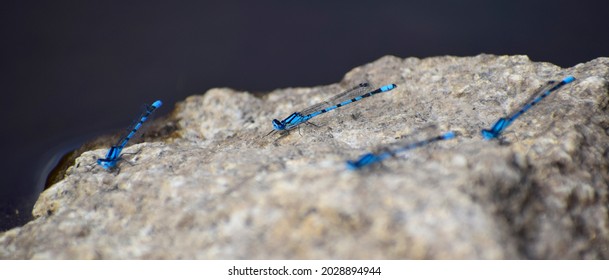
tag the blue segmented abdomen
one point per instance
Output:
(370, 158)
(296, 119)
(114, 152)
(503, 123)
(354, 99)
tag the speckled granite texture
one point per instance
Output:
(219, 189)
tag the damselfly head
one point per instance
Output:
(450, 135)
(352, 165)
(362, 161)
(278, 125)
(106, 164)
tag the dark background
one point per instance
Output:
(73, 70)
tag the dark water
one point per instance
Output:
(72, 70)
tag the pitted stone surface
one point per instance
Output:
(219, 189)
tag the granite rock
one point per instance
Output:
(219, 189)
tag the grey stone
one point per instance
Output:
(218, 189)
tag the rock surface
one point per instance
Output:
(218, 189)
